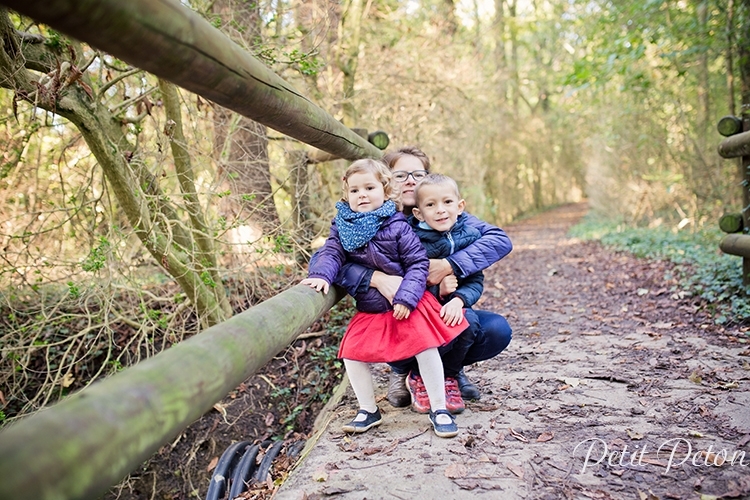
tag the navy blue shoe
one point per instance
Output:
(371, 420)
(443, 430)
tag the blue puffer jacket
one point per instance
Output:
(394, 250)
(440, 245)
(491, 247)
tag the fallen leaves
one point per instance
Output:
(545, 436)
(518, 435)
(456, 471)
(515, 469)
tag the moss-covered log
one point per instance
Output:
(91, 440)
(175, 43)
(729, 125)
(735, 146)
(736, 244)
(731, 223)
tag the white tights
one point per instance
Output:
(430, 367)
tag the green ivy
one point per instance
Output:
(703, 269)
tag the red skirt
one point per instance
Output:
(381, 338)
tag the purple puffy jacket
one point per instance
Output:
(395, 250)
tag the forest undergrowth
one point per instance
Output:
(701, 269)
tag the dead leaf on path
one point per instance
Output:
(652, 461)
(695, 377)
(617, 472)
(642, 291)
(744, 441)
(456, 471)
(713, 458)
(647, 496)
(563, 387)
(727, 385)
(515, 469)
(212, 464)
(663, 325)
(500, 438)
(545, 436)
(518, 435)
(320, 475)
(634, 435)
(2, 399)
(571, 381)
(592, 334)
(529, 409)
(565, 331)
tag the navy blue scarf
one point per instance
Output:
(357, 228)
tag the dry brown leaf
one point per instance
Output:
(518, 436)
(516, 469)
(2, 398)
(456, 471)
(545, 436)
(634, 435)
(713, 458)
(270, 419)
(212, 464)
(663, 325)
(67, 380)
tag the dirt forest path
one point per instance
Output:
(612, 388)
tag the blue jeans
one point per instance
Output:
(491, 336)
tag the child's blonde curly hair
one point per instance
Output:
(381, 172)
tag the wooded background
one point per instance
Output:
(133, 212)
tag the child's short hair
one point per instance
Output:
(392, 157)
(381, 172)
(433, 180)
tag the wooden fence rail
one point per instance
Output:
(83, 445)
(171, 41)
(87, 443)
(737, 145)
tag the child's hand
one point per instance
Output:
(400, 311)
(316, 283)
(452, 312)
(448, 285)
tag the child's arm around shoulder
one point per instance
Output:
(492, 246)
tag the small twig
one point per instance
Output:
(375, 465)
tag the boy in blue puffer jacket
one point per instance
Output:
(440, 222)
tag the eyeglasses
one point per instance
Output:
(402, 176)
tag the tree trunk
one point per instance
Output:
(153, 219)
(501, 61)
(350, 29)
(703, 77)
(242, 147)
(729, 56)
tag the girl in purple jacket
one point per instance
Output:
(370, 231)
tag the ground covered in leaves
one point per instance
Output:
(616, 385)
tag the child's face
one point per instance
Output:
(365, 192)
(439, 206)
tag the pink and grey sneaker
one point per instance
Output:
(420, 402)
(454, 403)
